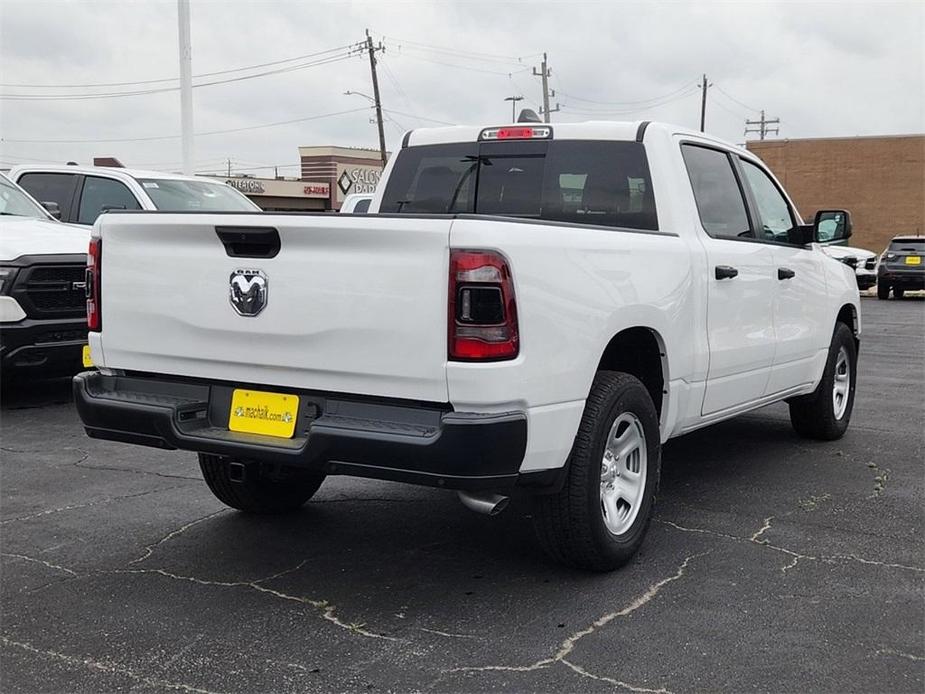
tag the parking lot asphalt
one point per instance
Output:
(773, 564)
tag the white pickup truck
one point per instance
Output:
(531, 308)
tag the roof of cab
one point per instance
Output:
(102, 170)
(627, 131)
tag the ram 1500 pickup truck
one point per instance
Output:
(529, 307)
(43, 325)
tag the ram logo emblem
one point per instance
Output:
(248, 291)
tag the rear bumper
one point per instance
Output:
(42, 348)
(903, 278)
(335, 434)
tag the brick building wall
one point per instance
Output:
(880, 180)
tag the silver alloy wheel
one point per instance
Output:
(623, 473)
(842, 384)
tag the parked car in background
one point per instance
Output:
(79, 194)
(863, 262)
(43, 320)
(538, 307)
(356, 203)
(901, 267)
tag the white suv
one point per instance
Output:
(79, 194)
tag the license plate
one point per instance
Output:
(258, 412)
(87, 359)
(913, 260)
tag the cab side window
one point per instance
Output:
(777, 220)
(103, 193)
(51, 187)
(717, 193)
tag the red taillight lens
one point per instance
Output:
(94, 261)
(482, 308)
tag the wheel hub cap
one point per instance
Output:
(841, 386)
(623, 473)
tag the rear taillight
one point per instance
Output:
(94, 265)
(482, 308)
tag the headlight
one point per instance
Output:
(7, 275)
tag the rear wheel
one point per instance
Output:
(898, 293)
(825, 413)
(600, 516)
(248, 487)
(883, 290)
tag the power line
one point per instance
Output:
(731, 97)
(212, 132)
(462, 67)
(243, 68)
(417, 117)
(591, 112)
(686, 86)
(111, 95)
(475, 55)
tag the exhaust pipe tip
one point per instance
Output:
(486, 503)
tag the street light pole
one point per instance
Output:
(513, 100)
(186, 86)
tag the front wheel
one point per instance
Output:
(599, 518)
(883, 290)
(248, 488)
(898, 293)
(825, 413)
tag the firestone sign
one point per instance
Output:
(277, 188)
(246, 185)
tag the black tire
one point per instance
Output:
(570, 524)
(883, 290)
(813, 416)
(898, 293)
(258, 493)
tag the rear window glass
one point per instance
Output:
(908, 244)
(586, 182)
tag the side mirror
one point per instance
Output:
(106, 208)
(831, 226)
(52, 208)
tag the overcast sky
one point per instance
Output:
(824, 68)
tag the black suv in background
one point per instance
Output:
(901, 267)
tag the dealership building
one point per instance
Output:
(880, 180)
(328, 175)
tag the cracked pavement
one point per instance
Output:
(774, 564)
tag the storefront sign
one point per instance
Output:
(272, 187)
(356, 179)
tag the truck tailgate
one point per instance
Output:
(353, 304)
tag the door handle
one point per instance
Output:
(725, 272)
(785, 273)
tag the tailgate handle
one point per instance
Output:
(249, 242)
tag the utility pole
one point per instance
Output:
(229, 168)
(372, 66)
(703, 102)
(545, 72)
(186, 86)
(763, 124)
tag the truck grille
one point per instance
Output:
(47, 291)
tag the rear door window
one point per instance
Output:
(51, 187)
(717, 193)
(586, 182)
(103, 193)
